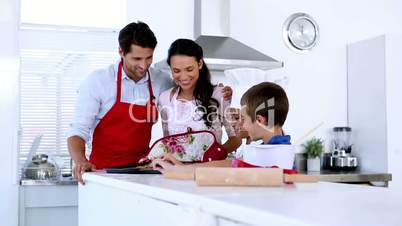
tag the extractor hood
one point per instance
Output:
(221, 52)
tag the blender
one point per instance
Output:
(341, 157)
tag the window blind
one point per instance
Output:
(49, 80)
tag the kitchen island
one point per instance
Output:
(119, 199)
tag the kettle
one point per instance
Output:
(40, 168)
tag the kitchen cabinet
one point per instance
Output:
(374, 105)
(125, 208)
(48, 205)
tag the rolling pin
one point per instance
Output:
(184, 174)
(222, 176)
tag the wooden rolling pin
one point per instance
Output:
(222, 176)
(184, 174)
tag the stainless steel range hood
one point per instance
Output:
(221, 52)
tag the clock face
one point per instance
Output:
(300, 32)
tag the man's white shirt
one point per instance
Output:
(97, 95)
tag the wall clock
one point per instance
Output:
(300, 32)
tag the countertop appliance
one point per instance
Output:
(341, 157)
(41, 168)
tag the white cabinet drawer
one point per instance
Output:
(51, 216)
(123, 208)
(48, 205)
(49, 196)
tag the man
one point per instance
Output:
(116, 106)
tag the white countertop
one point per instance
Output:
(320, 203)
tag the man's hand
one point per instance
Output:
(80, 168)
(227, 92)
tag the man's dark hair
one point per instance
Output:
(138, 34)
(263, 97)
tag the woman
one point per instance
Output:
(194, 103)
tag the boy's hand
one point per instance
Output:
(227, 92)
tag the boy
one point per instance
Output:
(264, 110)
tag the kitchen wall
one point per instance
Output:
(9, 64)
(317, 80)
(317, 87)
(169, 20)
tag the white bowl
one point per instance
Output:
(267, 155)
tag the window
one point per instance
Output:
(53, 64)
(88, 13)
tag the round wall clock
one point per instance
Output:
(300, 32)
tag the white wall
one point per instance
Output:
(9, 63)
(169, 20)
(317, 87)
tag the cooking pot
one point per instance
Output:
(40, 168)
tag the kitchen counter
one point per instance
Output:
(356, 176)
(120, 199)
(61, 181)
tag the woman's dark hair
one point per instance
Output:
(203, 88)
(138, 34)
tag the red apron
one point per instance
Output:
(122, 136)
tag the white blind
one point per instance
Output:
(49, 80)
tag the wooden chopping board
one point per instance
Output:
(226, 176)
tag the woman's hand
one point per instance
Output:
(172, 168)
(166, 163)
(170, 158)
(236, 121)
(82, 167)
(227, 92)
